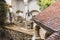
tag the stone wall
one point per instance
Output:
(7, 34)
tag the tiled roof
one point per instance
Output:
(50, 17)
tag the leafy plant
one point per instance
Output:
(45, 3)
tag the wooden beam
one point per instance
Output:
(23, 30)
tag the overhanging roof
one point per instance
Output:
(50, 17)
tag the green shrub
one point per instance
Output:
(45, 3)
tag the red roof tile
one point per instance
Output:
(50, 17)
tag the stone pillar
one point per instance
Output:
(36, 33)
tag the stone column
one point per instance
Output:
(36, 35)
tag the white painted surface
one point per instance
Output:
(8, 1)
(33, 5)
(19, 5)
(14, 7)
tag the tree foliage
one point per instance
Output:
(45, 3)
(3, 11)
